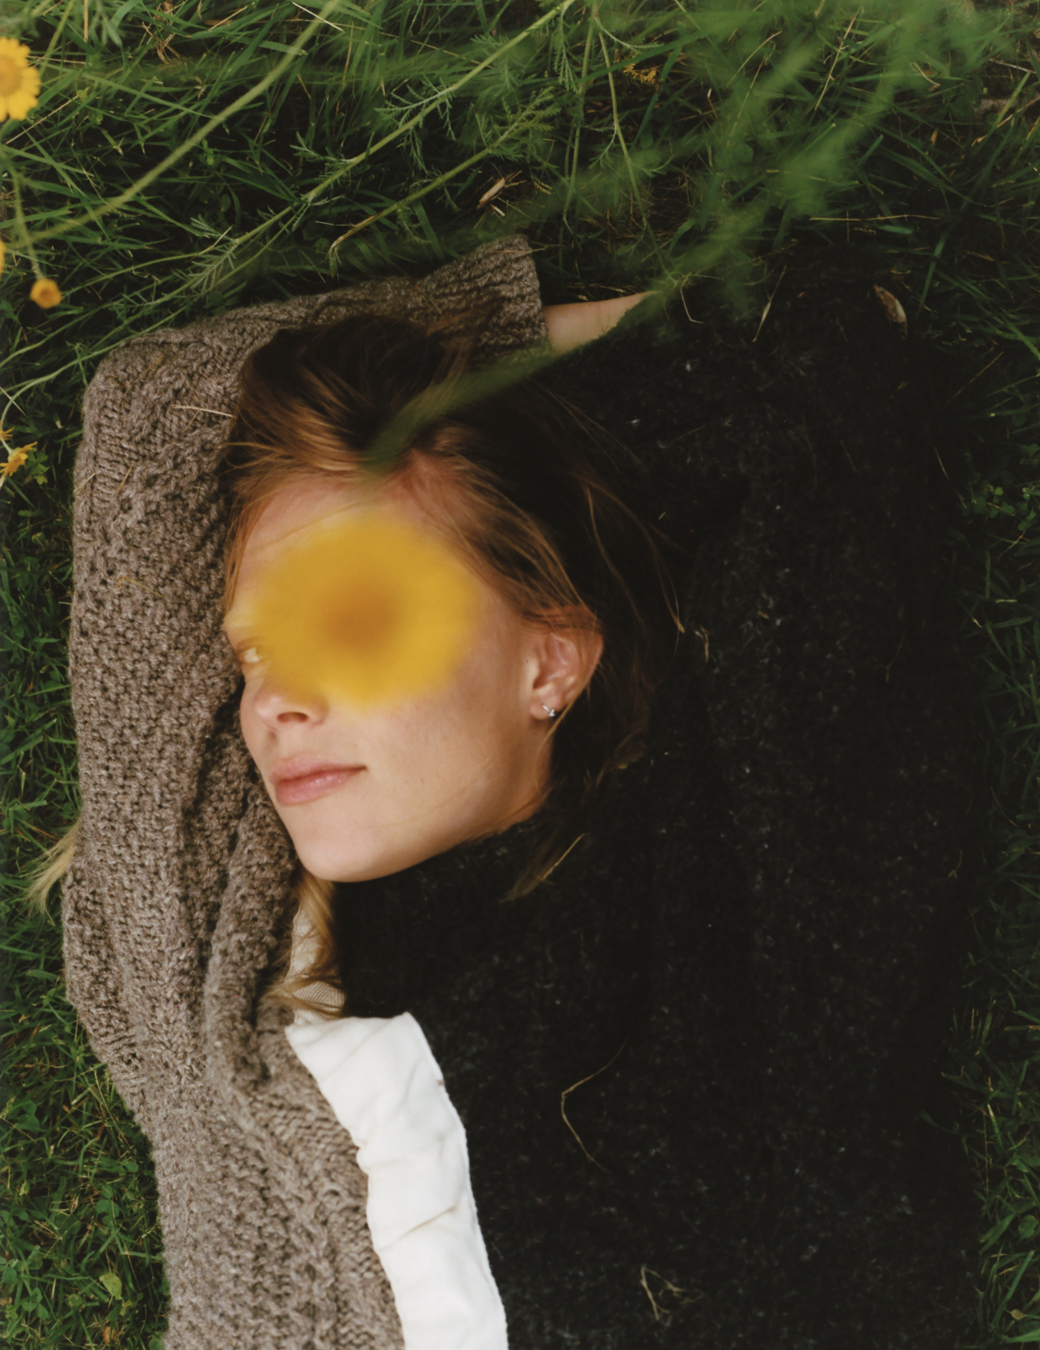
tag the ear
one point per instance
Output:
(564, 659)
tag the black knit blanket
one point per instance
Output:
(692, 1066)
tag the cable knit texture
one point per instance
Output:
(182, 876)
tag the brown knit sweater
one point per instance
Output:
(182, 877)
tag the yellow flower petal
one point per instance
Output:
(14, 50)
(15, 460)
(19, 82)
(364, 611)
(45, 293)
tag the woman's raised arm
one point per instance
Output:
(572, 326)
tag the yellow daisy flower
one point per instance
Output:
(45, 293)
(15, 460)
(366, 610)
(19, 82)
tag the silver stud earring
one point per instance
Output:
(551, 711)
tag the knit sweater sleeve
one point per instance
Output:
(164, 777)
(127, 396)
(183, 871)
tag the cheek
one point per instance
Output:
(482, 728)
(416, 745)
(483, 704)
(457, 738)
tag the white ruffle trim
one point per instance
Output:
(385, 1087)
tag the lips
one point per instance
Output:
(303, 779)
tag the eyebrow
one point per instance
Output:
(233, 641)
(230, 619)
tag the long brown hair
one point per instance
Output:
(526, 487)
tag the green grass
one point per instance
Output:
(639, 143)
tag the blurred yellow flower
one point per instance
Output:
(365, 610)
(15, 460)
(45, 293)
(19, 82)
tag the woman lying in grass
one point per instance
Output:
(512, 924)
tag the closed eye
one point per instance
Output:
(247, 654)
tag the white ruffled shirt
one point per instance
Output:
(380, 1077)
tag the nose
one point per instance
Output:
(277, 706)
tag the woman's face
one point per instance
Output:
(364, 792)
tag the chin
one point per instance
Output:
(337, 865)
(362, 859)
(348, 860)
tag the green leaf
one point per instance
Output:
(112, 1283)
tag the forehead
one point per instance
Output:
(297, 505)
(302, 503)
